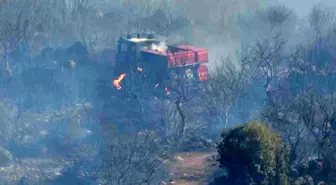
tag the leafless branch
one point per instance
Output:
(131, 160)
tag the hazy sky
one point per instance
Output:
(302, 7)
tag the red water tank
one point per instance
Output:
(203, 72)
(181, 59)
(201, 54)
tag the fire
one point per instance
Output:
(161, 47)
(138, 39)
(117, 81)
(167, 91)
(73, 64)
(139, 69)
(203, 76)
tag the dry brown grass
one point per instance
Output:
(191, 168)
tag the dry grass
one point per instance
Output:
(191, 168)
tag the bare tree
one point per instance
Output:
(13, 30)
(307, 124)
(225, 86)
(81, 10)
(321, 21)
(10, 121)
(267, 61)
(140, 85)
(277, 16)
(318, 115)
(181, 88)
(130, 98)
(131, 160)
(285, 119)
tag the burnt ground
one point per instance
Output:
(192, 168)
(33, 170)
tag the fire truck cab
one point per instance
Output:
(129, 48)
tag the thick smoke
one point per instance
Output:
(225, 25)
(302, 7)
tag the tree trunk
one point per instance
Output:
(183, 119)
(8, 69)
(226, 117)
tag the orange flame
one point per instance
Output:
(117, 81)
(139, 69)
(167, 91)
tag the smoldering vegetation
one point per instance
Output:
(63, 122)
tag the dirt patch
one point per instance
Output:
(191, 168)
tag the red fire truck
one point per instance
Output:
(159, 60)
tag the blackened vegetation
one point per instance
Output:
(61, 104)
(299, 106)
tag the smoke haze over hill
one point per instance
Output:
(66, 103)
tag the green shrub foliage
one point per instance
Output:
(254, 154)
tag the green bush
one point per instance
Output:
(254, 154)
